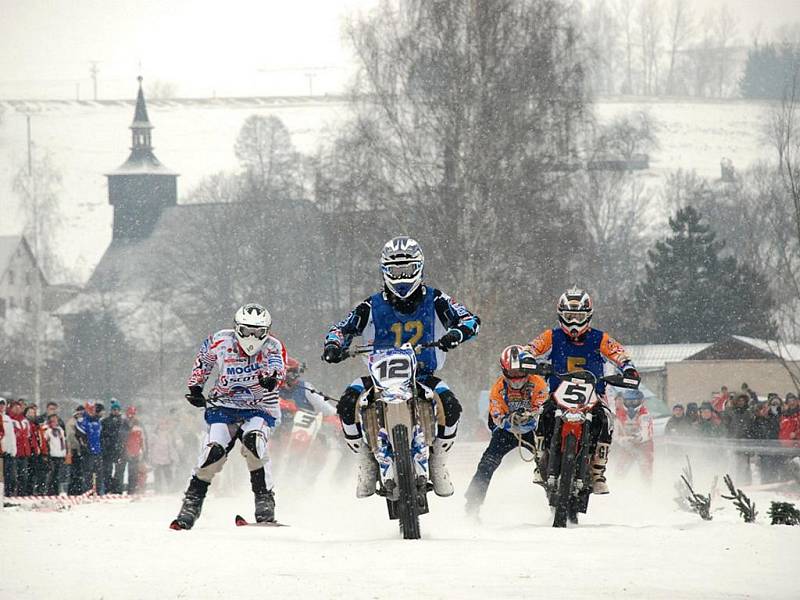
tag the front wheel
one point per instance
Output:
(407, 507)
(564, 490)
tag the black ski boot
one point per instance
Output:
(192, 504)
(264, 498)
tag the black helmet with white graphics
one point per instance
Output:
(575, 312)
(401, 264)
(251, 325)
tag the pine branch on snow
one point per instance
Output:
(745, 506)
(699, 503)
(784, 513)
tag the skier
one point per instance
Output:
(635, 438)
(243, 404)
(405, 311)
(514, 403)
(573, 346)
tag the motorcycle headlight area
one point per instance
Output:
(396, 394)
(573, 417)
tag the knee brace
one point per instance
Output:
(452, 413)
(346, 408)
(256, 443)
(211, 462)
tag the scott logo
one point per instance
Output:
(254, 368)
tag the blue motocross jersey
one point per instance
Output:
(418, 327)
(591, 353)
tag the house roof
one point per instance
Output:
(653, 357)
(739, 347)
(8, 246)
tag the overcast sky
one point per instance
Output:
(236, 47)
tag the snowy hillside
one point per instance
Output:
(633, 544)
(196, 139)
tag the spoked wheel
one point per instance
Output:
(407, 507)
(564, 493)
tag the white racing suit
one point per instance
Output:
(238, 406)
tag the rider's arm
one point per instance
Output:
(454, 315)
(317, 400)
(541, 345)
(498, 408)
(343, 332)
(615, 353)
(204, 362)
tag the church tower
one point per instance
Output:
(142, 187)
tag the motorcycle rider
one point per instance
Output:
(243, 405)
(572, 346)
(514, 403)
(405, 311)
(635, 437)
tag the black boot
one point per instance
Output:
(192, 504)
(264, 498)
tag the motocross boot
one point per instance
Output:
(538, 451)
(264, 498)
(367, 472)
(599, 462)
(440, 477)
(192, 504)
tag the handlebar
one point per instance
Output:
(370, 348)
(617, 380)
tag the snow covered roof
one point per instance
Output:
(774, 347)
(653, 357)
(8, 245)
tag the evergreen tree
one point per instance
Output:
(693, 294)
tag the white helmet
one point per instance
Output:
(251, 325)
(401, 264)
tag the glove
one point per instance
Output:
(450, 340)
(268, 382)
(332, 353)
(195, 396)
(544, 369)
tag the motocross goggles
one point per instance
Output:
(575, 317)
(405, 270)
(247, 331)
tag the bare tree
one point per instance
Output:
(724, 28)
(680, 23)
(474, 108)
(650, 33)
(626, 18)
(272, 165)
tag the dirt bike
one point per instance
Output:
(568, 480)
(399, 427)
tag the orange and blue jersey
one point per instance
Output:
(504, 400)
(590, 352)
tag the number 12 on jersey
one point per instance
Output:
(410, 326)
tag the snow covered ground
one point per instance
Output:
(632, 544)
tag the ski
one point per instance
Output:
(242, 522)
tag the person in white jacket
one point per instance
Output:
(8, 450)
(56, 441)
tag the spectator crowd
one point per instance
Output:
(770, 424)
(43, 455)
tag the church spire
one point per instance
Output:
(141, 126)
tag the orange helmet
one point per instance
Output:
(510, 361)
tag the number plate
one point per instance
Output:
(393, 370)
(575, 395)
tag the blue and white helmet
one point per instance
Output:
(401, 264)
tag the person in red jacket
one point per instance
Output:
(789, 432)
(22, 433)
(634, 433)
(134, 450)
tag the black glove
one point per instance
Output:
(269, 383)
(450, 340)
(544, 369)
(333, 353)
(195, 396)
